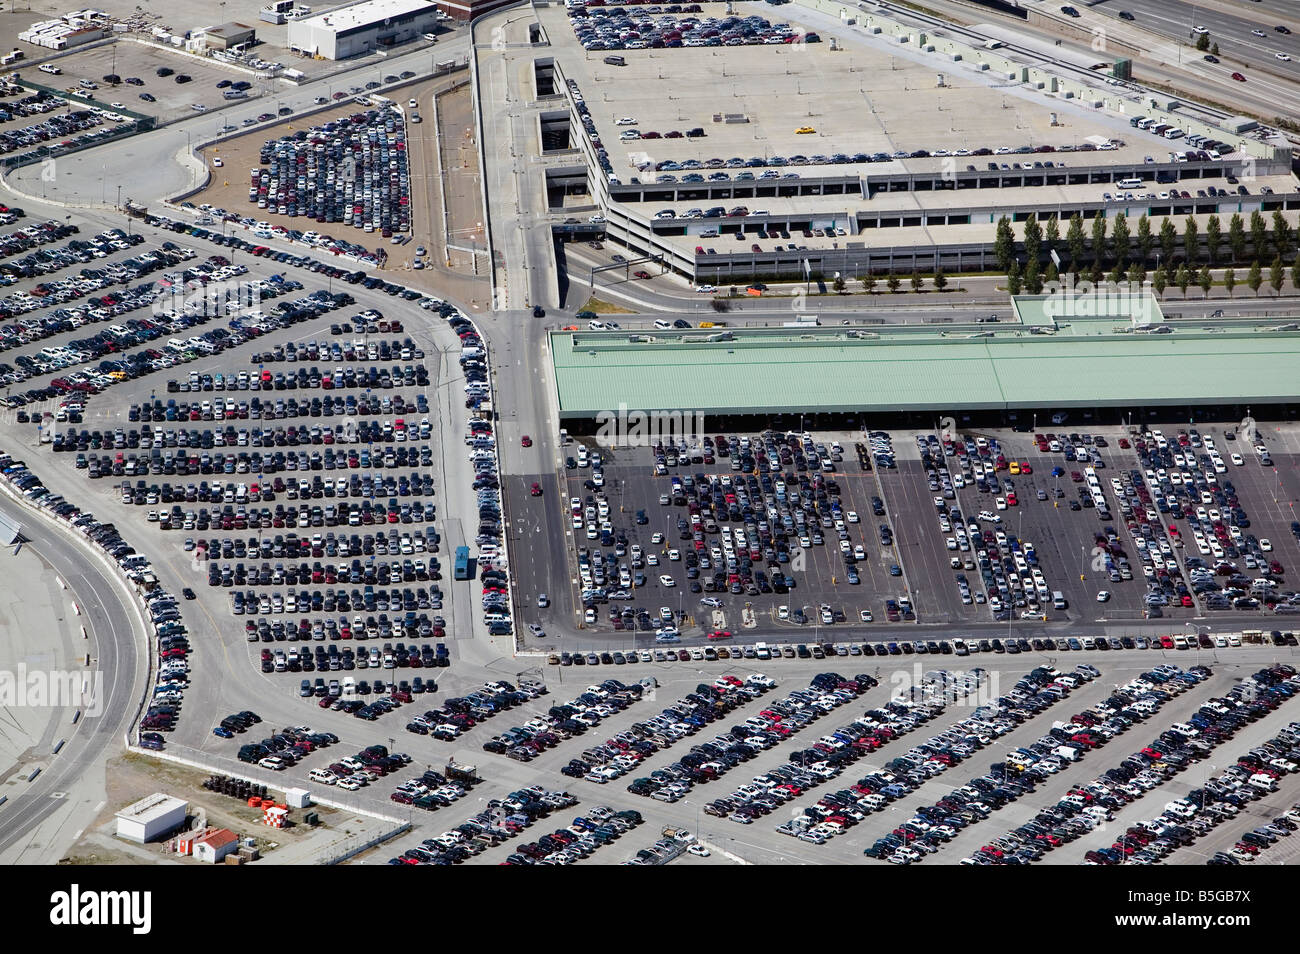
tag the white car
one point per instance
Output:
(667, 580)
(1103, 596)
(626, 121)
(782, 612)
(698, 850)
(1238, 460)
(536, 630)
(705, 289)
(431, 37)
(851, 516)
(865, 616)
(1200, 30)
(1283, 57)
(1266, 545)
(216, 162)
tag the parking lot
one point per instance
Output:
(135, 61)
(981, 529)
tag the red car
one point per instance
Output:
(641, 274)
(1238, 77)
(526, 441)
(720, 634)
(535, 490)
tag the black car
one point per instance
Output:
(539, 311)
(187, 593)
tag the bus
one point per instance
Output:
(462, 563)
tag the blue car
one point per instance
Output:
(223, 732)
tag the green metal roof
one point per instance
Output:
(1085, 363)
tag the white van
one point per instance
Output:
(1133, 183)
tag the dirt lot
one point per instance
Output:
(132, 777)
(229, 190)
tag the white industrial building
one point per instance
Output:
(362, 28)
(151, 818)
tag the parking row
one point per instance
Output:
(502, 820)
(596, 703)
(622, 753)
(203, 463)
(589, 832)
(406, 626)
(356, 350)
(350, 405)
(368, 486)
(710, 760)
(324, 242)
(461, 713)
(1176, 749)
(932, 826)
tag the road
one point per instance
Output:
(119, 653)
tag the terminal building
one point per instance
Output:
(1123, 358)
(362, 28)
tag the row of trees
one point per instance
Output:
(893, 282)
(1119, 246)
(1032, 280)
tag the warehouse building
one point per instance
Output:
(228, 36)
(1039, 360)
(362, 28)
(151, 818)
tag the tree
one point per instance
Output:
(1256, 277)
(1096, 273)
(838, 284)
(916, 281)
(1168, 239)
(1160, 281)
(1033, 236)
(1052, 276)
(1004, 246)
(869, 283)
(1214, 49)
(1191, 241)
(1203, 42)
(1258, 235)
(1120, 240)
(1205, 280)
(1295, 274)
(1237, 238)
(1099, 239)
(1230, 280)
(1137, 276)
(1276, 275)
(1182, 278)
(1116, 274)
(1052, 234)
(1033, 277)
(1283, 235)
(893, 282)
(1013, 278)
(940, 280)
(1144, 239)
(1075, 242)
(1213, 238)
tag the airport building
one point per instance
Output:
(884, 144)
(362, 28)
